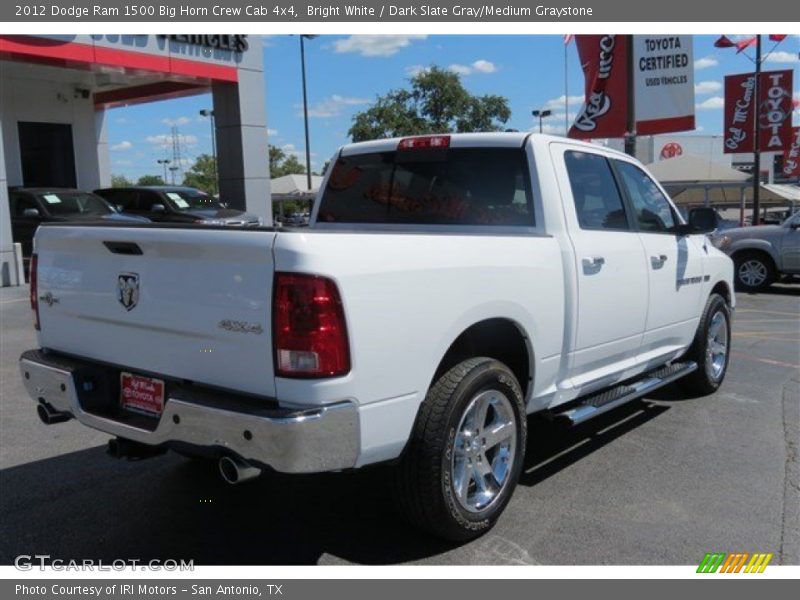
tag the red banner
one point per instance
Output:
(605, 68)
(791, 157)
(775, 111)
(739, 101)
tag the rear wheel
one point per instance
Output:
(711, 347)
(465, 453)
(754, 271)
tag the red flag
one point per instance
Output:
(774, 114)
(742, 44)
(605, 107)
(791, 156)
(775, 109)
(774, 37)
(723, 42)
(738, 126)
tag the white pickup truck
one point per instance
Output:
(446, 287)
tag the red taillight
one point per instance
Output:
(309, 330)
(424, 142)
(34, 287)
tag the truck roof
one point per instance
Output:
(498, 139)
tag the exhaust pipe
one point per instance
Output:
(49, 415)
(235, 470)
(130, 450)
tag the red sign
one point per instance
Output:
(605, 107)
(791, 157)
(141, 394)
(671, 150)
(775, 111)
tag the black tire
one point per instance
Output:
(424, 486)
(753, 262)
(707, 379)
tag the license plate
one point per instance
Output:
(141, 394)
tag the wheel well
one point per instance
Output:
(723, 290)
(500, 339)
(758, 251)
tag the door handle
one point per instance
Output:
(658, 261)
(594, 261)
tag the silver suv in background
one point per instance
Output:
(762, 254)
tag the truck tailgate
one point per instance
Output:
(185, 303)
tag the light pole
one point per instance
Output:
(303, 37)
(207, 112)
(541, 114)
(164, 162)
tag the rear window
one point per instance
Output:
(456, 186)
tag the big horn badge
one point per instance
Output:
(128, 290)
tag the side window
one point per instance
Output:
(147, 199)
(124, 199)
(20, 203)
(598, 203)
(653, 210)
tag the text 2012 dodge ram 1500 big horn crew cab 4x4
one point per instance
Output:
(446, 287)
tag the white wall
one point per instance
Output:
(46, 94)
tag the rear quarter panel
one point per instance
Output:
(407, 297)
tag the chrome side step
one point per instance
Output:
(597, 404)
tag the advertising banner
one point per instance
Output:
(663, 73)
(791, 156)
(739, 101)
(605, 107)
(774, 110)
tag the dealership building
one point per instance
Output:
(54, 92)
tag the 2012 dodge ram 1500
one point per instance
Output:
(447, 287)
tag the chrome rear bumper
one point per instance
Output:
(324, 438)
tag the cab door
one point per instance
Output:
(790, 246)
(610, 268)
(675, 265)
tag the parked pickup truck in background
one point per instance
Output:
(762, 254)
(446, 287)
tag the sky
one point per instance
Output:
(346, 73)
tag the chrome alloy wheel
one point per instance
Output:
(752, 273)
(483, 451)
(717, 345)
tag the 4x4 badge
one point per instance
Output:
(128, 290)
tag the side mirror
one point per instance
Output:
(702, 220)
(158, 208)
(30, 213)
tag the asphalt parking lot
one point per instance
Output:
(660, 481)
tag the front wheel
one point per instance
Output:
(754, 271)
(465, 453)
(711, 347)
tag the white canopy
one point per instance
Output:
(295, 187)
(694, 169)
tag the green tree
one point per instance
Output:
(436, 103)
(281, 163)
(150, 180)
(120, 181)
(202, 175)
